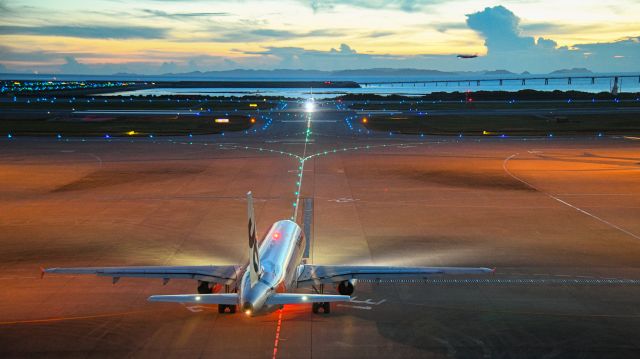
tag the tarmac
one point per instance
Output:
(557, 217)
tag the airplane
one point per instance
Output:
(266, 282)
(462, 56)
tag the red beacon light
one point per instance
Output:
(276, 235)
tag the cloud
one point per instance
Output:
(258, 35)
(168, 67)
(549, 27)
(88, 32)
(404, 5)
(509, 46)
(377, 34)
(628, 48)
(72, 66)
(546, 43)
(446, 26)
(183, 15)
(343, 57)
(344, 49)
(500, 28)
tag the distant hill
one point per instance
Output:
(309, 74)
(259, 74)
(392, 72)
(499, 72)
(575, 70)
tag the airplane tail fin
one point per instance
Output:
(255, 270)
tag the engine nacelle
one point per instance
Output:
(346, 287)
(204, 288)
(208, 288)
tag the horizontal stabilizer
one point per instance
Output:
(326, 274)
(225, 299)
(294, 298)
(225, 274)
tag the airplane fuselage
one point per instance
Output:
(280, 254)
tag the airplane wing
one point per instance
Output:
(320, 274)
(224, 299)
(216, 274)
(232, 298)
(295, 298)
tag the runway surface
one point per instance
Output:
(557, 217)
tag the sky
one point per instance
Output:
(175, 36)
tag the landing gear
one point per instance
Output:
(222, 308)
(326, 307)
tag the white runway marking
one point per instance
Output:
(504, 166)
(195, 308)
(366, 304)
(354, 306)
(366, 301)
(97, 158)
(343, 200)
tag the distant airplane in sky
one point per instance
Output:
(467, 56)
(276, 267)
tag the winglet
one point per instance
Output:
(42, 272)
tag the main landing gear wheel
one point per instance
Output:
(326, 307)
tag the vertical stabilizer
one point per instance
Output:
(255, 270)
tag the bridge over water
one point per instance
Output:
(615, 80)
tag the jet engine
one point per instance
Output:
(204, 288)
(346, 287)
